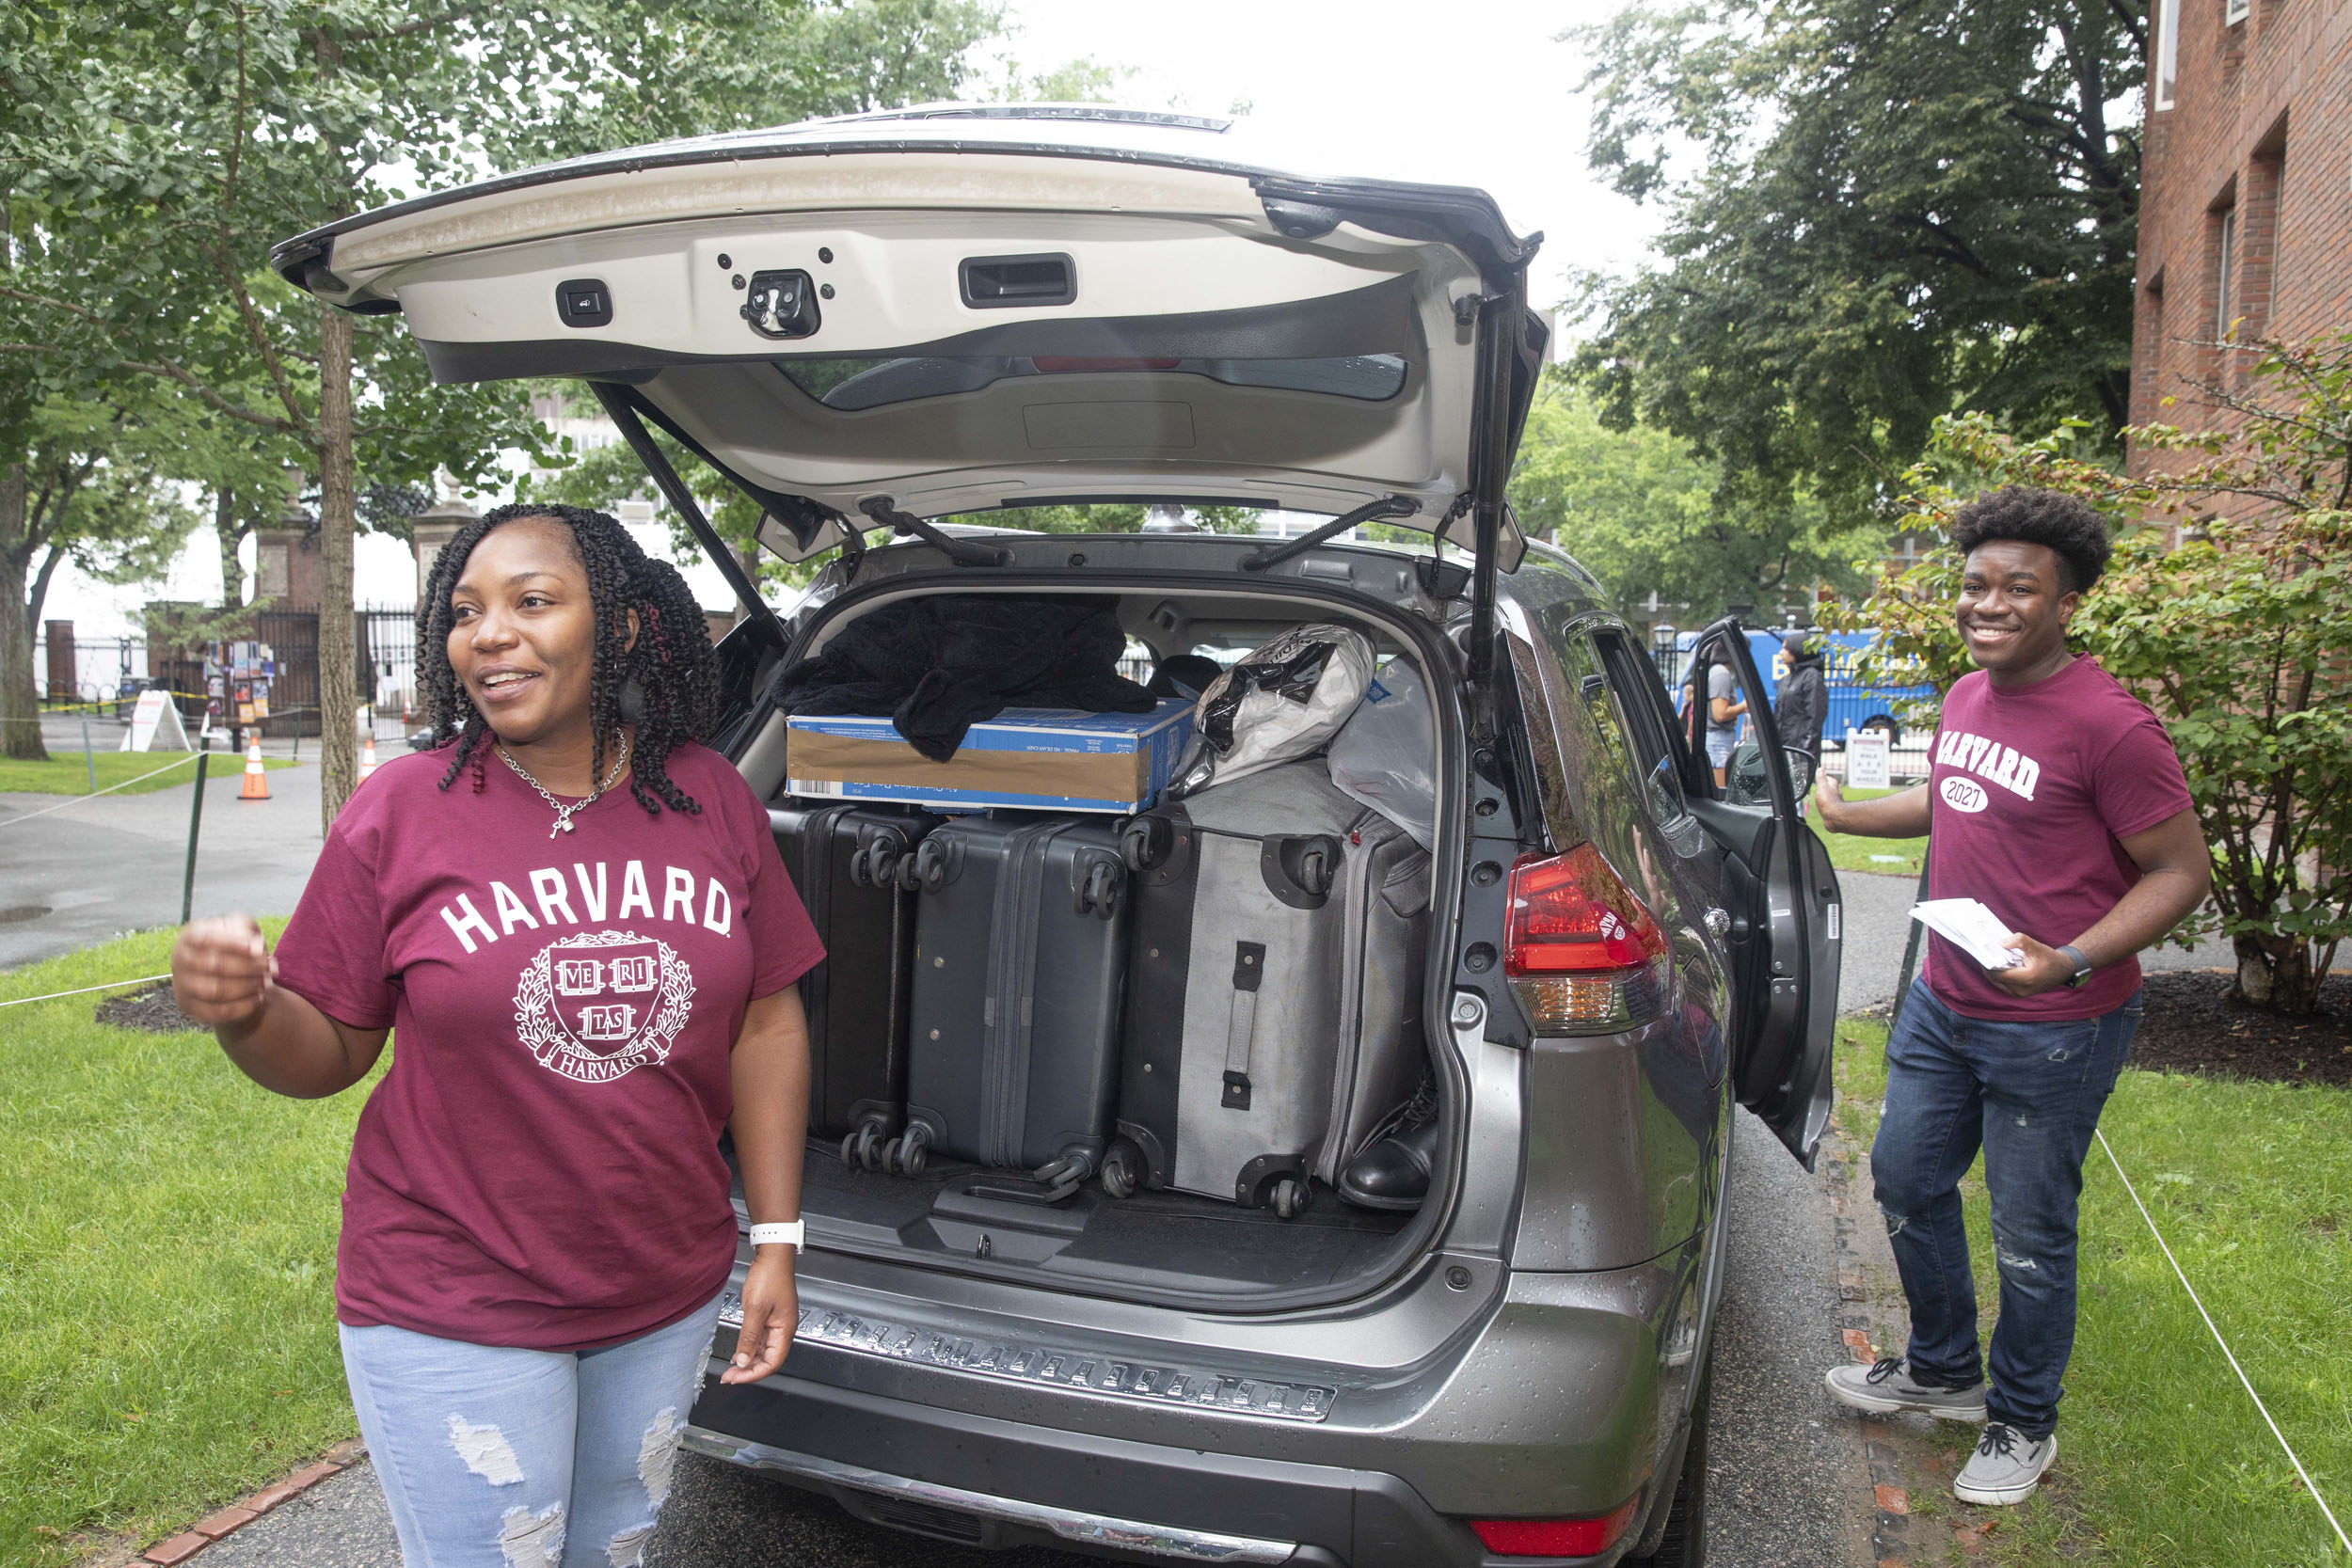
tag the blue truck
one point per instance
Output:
(1852, 703)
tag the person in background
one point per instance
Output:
(1801, 702)
(1725, 707)
(2055, 799)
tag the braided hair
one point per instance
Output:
(666, 685)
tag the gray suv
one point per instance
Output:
(871, 326)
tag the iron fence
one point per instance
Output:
(110, 672)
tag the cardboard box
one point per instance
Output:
(1047, 759)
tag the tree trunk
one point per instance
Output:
(2275, 973)
(339, 516)
(19, 705)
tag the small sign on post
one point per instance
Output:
(155, 724)
(1870, 762)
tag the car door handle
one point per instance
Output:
(1718, 921)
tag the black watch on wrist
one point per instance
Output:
(2082, 966)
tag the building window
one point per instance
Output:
(2226, 244)
(2167, 50)
(2235, 11)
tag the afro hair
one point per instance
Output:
(2069, 526)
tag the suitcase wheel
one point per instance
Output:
(935, 866)
(874, 865)
(1290, 1198)
(1099, 894)
(904, 1154)
(863, 1145)
(1145, 842)
(1121, 1168)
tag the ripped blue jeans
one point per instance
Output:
(2029, 1094)
(495, 1458)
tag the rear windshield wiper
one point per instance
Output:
(964, 553)
(1371, 512)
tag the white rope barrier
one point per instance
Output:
(2218, 1340)
(81, 990)
(96, 793)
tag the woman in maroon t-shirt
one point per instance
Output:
(574, 917)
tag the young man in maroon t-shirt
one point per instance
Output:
(2054, 798)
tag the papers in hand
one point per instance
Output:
(1970, 926)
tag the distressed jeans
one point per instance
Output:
(2029, 1094)
(497, 1458)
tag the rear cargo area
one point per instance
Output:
(1097, 1022)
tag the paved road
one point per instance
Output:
(99, 867)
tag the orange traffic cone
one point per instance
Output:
(256, 784)
(367, 756)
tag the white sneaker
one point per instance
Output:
(2006, 1467)
(1886, 1386)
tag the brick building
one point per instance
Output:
(2246, 209)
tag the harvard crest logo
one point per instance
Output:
(596, 1005)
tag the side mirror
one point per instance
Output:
(1800, 770)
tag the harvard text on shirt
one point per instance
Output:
(1988, 760)
(552, 899)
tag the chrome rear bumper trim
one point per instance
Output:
(1081, 1372)
(1186, 1545)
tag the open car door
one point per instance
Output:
(1784, 931)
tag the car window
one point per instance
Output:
(1640, 700)
(1722, 729)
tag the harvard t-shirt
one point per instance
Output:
(2032, 789)
(539, 1167)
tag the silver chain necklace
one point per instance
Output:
(563, 812)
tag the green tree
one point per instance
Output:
(2240, 637)
(84, 484)
(1647, 514)
(1897, 211)
(176, 138)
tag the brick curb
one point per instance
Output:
(1890, 1499)
(226, 1521)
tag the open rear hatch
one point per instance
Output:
(964, 308)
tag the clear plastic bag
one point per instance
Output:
(1386, 755)
(1284, 702)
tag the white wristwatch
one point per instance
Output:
(793, 1233)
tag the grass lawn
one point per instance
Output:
(2162, 1458)
(166, 1260)
(1893, 857)
(67, 773)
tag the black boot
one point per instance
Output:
(1392, 1173)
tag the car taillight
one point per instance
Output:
(1583, 955)
(1554, 1537)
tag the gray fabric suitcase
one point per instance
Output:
(1020, 961)
(1275, 991)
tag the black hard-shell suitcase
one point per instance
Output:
(1274, 1007)
(848, 862)
(1020, 962)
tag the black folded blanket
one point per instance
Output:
(939, 665)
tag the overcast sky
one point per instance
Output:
(1476, 94)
